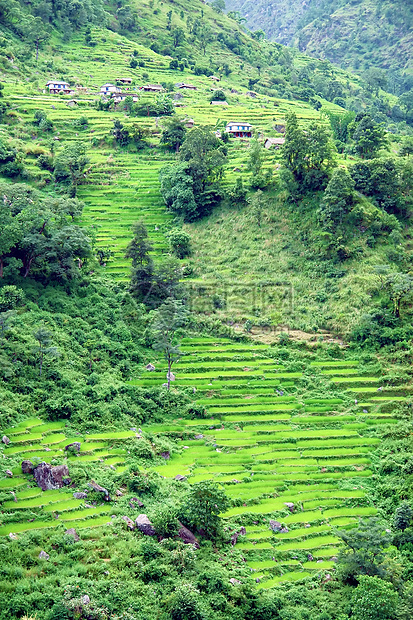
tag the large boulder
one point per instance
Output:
(150, 367)
(72, 532)
(5, 440)
(80, 495)
(49, 478)
(170, 376)
(9, 473)
(144, 525)
(43, 555)
(187, 536)
(129, 523)
(73, 447)
(27, 467)
(94, 485)
(275, 525)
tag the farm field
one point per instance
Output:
(279, 454)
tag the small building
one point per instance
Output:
(151, 88)
(189, 123)
(127, 81)
(56, 87)
(108, 89)
(219, 103)
(214, 78)
(183, 86)
(274, 143)
(118, 97)
(239, 130)
(72, 103)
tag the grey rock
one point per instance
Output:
(43, 555)
(164, 385)
(85, 600)
(310, 557)
(150, 367)
(243, 531)
(72, 532)
(144, 525)
(9, 473)
(284, 530)
(200, 436)
(275, 526)
(234, 581)
(170, 376)
(5, 440)
(133, 429)
(319, 561)
(129, 523)
(12, 536)
(13, 494)
(48, 477)
(179, 477)
(166, 455)
(290, 506)
(96, 487)
(73, 447)
(79, 495)
(187, 536)
(27, 467)
(118, 493)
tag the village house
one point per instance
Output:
(219, 103)
(214, 78)
(151, 88)
(274, 142)
(55, 87)
(126, 81)
(107, 89)
(239, 130)
(183, 86)
(118, 97)
(189, 122)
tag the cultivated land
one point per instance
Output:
(264, 438)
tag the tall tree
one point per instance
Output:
(43, 348)
(369, 137)
(170, 317)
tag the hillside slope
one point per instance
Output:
(360, 34)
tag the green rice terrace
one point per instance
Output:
(294, 467)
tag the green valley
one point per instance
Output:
(205, 319)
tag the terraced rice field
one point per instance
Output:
(302, 461)
(35, 440)
(278, 452)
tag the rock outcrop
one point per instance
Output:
(144, 525)
(49, 478)
(187, 536)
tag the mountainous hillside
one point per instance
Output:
(206, 284)
(360, 34)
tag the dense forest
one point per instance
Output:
(206, 333)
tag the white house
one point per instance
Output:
(107, 89)
(239, 130)
(274, 142)
(118, 97)
(56, 86)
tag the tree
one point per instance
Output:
(205, 502)
(403, 516)
(70, 165)
(369, 137)
(120, 133)
(338, 198)
(204, 36)
(185, 604)
(400, 287)
(44, 339)
(308, 156)
(257, 204)
(174, 133)
(140, 247)
(177, 191)
(373, 599)
(178, 36)
(364, 552)
(255, 157)
(170, 317)
(180, 242)
(406, 148)
(381, 180)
